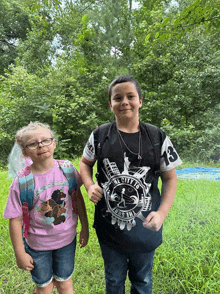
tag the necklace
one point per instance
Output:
(139, 145)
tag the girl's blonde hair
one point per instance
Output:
(19, 137)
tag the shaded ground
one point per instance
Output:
(197, 173)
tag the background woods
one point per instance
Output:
(57, 59)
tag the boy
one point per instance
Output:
(129, 218)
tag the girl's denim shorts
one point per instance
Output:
(57, 264)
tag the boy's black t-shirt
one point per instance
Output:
(130, 188)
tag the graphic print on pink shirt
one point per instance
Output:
(53, 210)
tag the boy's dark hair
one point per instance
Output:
(123, 79)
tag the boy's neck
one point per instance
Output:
(128, 126)
(42, 167)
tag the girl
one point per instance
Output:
(129, 210)
(49, 249)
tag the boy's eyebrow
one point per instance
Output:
(119, 94)
(116, 95)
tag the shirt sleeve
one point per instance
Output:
(13, 207)
(169, 156)
(89, 150)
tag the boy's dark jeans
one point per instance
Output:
(139, 267)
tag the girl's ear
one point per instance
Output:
(24, 153)
(55, 143)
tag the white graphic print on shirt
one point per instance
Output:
(126, 194)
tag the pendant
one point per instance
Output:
(139, 157)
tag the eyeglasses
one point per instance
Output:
(35, 145)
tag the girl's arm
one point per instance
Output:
(155, 219)
(24, 260)
(84, 234)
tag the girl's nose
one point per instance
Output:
(40, 144)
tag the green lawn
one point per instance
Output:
(186, 262)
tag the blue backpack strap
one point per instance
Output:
(69, 172)
(26, 187)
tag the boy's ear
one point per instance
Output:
(110, 105)
(140, 100)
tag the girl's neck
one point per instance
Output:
(42, 167)
(128, 126)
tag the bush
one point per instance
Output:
(195, 145)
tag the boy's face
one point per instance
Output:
(125, 101)
(42, 152)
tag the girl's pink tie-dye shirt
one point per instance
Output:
(52, 221)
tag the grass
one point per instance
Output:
(186, 263)
(208, 163)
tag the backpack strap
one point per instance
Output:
(26, 187)
(100, 135)
(155, 139)
(69, 173)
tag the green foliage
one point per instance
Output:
(180, 80)
(14, 23)
(195, 145)
(173, 19)
(35, 53)
(37, 5)
(65, 57)
(24, 98)
(74, 121)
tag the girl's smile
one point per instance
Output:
(40, 153)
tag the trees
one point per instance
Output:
(14, 24)
(178, 68)
(176, 18)
(67, 54)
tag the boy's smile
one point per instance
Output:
(125, 101)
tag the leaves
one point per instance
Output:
(65, 56)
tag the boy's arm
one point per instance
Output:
(169, 184)
(84, 234)
(24, 260)
(95, 192)
(155, 219)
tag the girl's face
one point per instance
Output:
(41, 153)
(125, 101)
